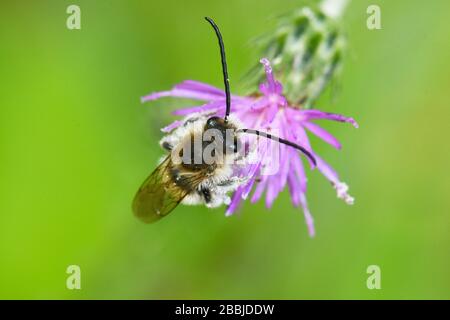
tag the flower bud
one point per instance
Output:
(306, 51)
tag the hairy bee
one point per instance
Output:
(186, 175)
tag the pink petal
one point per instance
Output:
(294, 188)
(340, 187)
(259, 189)
(308, 217)
(272, 191)
(235, 201)
(300, 137)
(259, 104)
(200, 87)
(285, 157)
(252, 173)
(247, 188)
(322, 134)
(326, 170)
(188, 89)
(284, 170)
(211, 106)
(269, 115)
(311, 114)
(297, 168)
(272, 85)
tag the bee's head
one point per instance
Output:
(222, 126)
(215, 123)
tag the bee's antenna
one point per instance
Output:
(286, 142)
(226, 80)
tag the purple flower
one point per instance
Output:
(268, 112)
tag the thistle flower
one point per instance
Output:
(269, 112)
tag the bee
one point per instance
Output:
(186, 175)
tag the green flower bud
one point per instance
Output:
(306, 51)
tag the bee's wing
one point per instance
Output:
(158, 195)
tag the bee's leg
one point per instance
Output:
(226, 183)
(232, 181)
(166, 145)
(229, 185)
(172, 139)
(190, 120)
(167, 142)
(215, 198)
(206, 193)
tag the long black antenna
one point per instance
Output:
(226, 80)
(286, 142)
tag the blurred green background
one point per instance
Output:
(76, 143)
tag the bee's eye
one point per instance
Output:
(213, 122)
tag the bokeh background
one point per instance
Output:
(76, 143)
